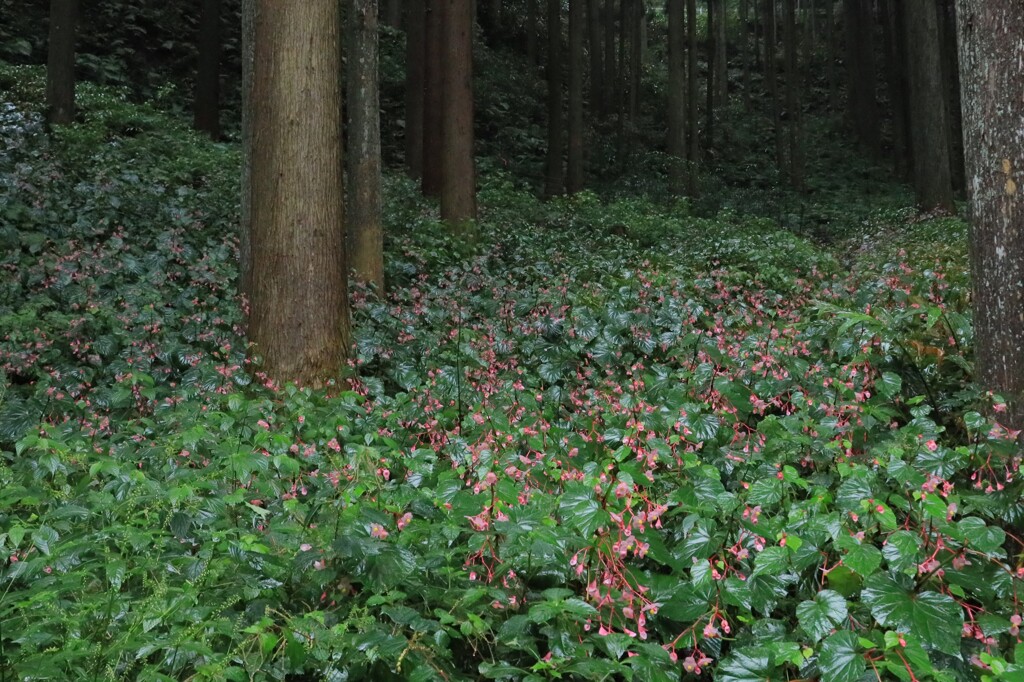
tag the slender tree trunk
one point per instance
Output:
(745, 51)
(721, 63)
(555, 176)
(676, 142)
(458, 174)
(932, 180)
(772, 80)
(692, 125)
(596, 58)
(832, 56)
(366, 235)
(433, 97)
(415, 59)
(206, 105)
(636, 22)
(611, 79)
(709, 90)
(793, 106)
(574, 174)
(991, 53)
(248, 38)
(298, 322)
(60, 62)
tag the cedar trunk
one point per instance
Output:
(596, 58)
(414, 83)
(991, 52)
(298, 321)
(554, 182)
(929, 134)
(676, 142)
(433, 97)
(860, 58)
(365, 234)
(574, 171)
(693, 148)
(60, 62)
(458, 169)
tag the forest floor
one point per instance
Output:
(627, 439)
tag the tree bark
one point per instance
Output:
(895, 75)
(393, 13)
(248, 38)
(574, 170)
(772, 81)
(298, 321)
(637, 19)
(365, 234)
(433, 97)
(415, 58)
(721, 58)
(597, 82)
(60, 62)
(458, 172)
(206, 105)
(554, 183)
(951, 84)
(676, 142)
(745, 51)
(693, 149)
(793, 106)
(992, 92)
(531, 32)
(929, 133)
(860, 57)
(611, 78)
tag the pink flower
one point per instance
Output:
(378, 531)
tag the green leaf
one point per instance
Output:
(821, 615)
(772, 560)
(747, 664)
(889, 385)
(579, 508)
(864, 559)
(935, 618)
(44, 538)
(839, 660)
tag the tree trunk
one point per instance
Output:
(433, 97)
(637, 19)
(860, 57)
(793, 106)
(951, 84)
(610, 73)
(574, 172)
(709, 90)
(206, 105)
(676, 142)
(991, 53)
(772, 82)
(415, 58)
(596, 57)
(554, 183)
(298, 321)
(721, 58)
(932, 180)
(832, 57)
(896, 84)
(458, 174)
(745, 51)
(531, 32)
(60, 62)
(393, 13)
(365, 234)
(693, 149)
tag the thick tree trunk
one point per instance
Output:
(433, 97)
(458, 174)
(745, 51)
(772, 81)
(676, 142)
(574, 169)
(554, 183)
(932, 180)
(611, 78)
(206, 105)
(832, 57)
(709, 90)
(60, 62)
(393, 13)
(365, 234)
(692, 124)
(636, 21)
(951, 83)
(415, 58)
(991, 53)
(298, 321)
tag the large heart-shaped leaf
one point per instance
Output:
(821, 615)
(935, 618)
(839, 660)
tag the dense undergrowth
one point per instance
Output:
(621, 442)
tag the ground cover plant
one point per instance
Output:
(681, 448)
